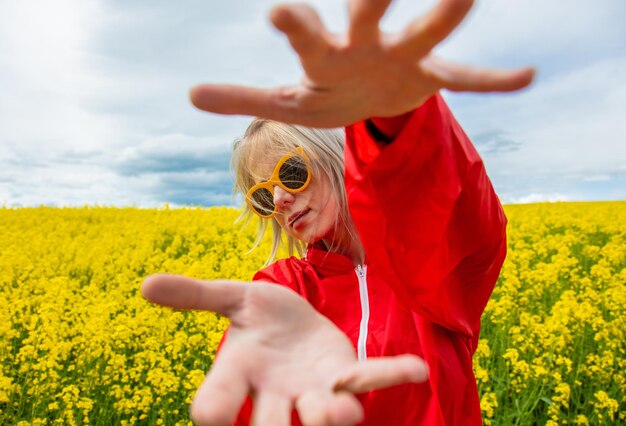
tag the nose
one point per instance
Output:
(282, 198)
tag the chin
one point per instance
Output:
(312, 234)
(308, 239)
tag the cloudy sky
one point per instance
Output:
(94, 109)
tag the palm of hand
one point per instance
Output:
(363, 74)
(289, 340)
(280, 351)
(286, 350)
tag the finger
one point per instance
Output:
(287, 104)
(365, 16)
(463, 78)
(230, 99)
(423, 34)
(303, 27)
(344, 409)
(178, 292)
(383, 372)
(311, 408)
(221, 395)
(318, 408)
(271, 409)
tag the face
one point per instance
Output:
(309, 215)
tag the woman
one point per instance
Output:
(397, 285)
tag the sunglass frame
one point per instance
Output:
(275, 180)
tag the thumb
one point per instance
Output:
(179, 292)
(279, 103)
(383, 372)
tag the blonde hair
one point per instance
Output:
(269, 140)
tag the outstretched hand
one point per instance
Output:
(280, 351)
(364, 73)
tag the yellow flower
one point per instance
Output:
(581, 420)
(488, 403)
(604, 405)
(76, 334)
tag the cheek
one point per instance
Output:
(329, 211)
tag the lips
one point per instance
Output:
(296, 216)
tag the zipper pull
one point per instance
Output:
(359, 271)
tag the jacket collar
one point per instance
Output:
(328, 263)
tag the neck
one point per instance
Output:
(351, 248)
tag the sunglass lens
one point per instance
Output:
(293, 173)
(263, 201)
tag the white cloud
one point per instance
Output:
(597, 178)
(44, 76)
(538, 198)
(537, 32)
(91, 89)
(569, 123)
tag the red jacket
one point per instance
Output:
(434, 233)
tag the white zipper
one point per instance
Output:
(361, 272)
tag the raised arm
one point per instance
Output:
(427, 213)
(364, 73)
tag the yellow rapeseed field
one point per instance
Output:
(79, 345)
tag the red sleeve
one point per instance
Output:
(282, 272)
(428, 216)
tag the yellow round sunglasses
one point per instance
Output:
(292, 173)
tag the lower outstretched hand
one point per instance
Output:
(280, 351)
(364, 73)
